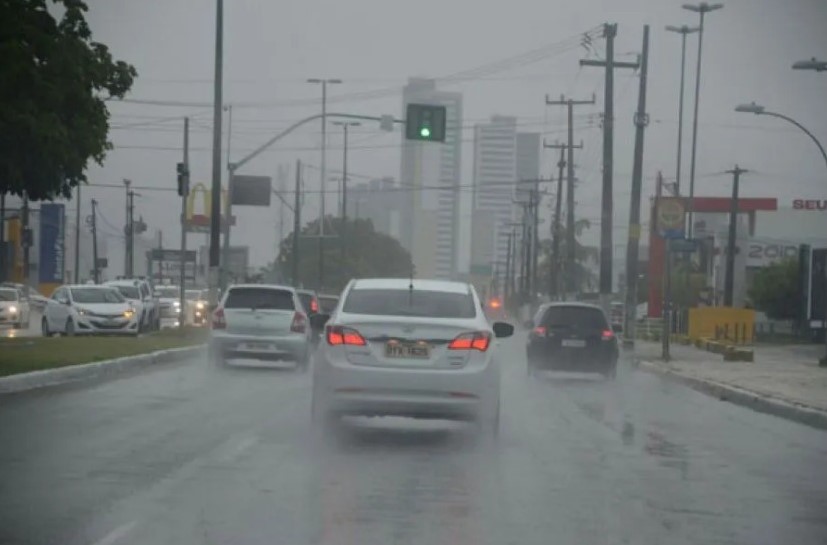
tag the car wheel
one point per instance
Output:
(44, 327)
(70, 328)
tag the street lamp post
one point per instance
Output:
(811, 64)
(702, 9)
(683, 31)
(757, 109)
(323, 174)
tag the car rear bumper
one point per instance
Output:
(262, 347)
(379, 391)
(572, 359)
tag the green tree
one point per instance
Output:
(54, 83)
(775, 290)
(583, 274)
(368, 254)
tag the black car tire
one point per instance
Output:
(69, 329)
(44, 327)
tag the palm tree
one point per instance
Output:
(584, 277)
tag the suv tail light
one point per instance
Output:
(540, 331)
(607, 335)
(338, 335)
(478, 340)
(314, 305)
(299, 323)
(218, 321)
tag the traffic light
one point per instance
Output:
(183, 179)
(425, 122)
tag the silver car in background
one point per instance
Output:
(413, 348)
(262, 322)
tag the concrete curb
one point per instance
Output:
(96, 370)
(758, 402)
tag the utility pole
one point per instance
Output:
(297, 211)
(507, 283)
(215, 201)
(683, 31)
(130, 206)
(570, 238)
(702, 9)
(729, 279)
(641, 120)
(323, 171)
(556, 227)
(77, 235)
(94, 217)
(535, 240)
(128, 230)
(607, 203)
(343, 234)
(2, 236)
(228, 207)
(185, 190)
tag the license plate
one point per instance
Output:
(574, 343)
(257, 346)
(415, 351)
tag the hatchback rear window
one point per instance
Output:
(259, 298)
(424, 303)
(575, 317)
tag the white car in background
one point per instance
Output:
(138, 293)
(411, 348)
(14, 308)
(78, 309)
(169, 304)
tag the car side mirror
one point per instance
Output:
(318, 321)
(503, 330)
(63, 301)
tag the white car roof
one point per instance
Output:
(404, 283)
(13, 290)
(133, 283)
(265, 286)
(88, 286)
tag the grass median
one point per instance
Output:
(24, 354)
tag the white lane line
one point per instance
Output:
(117, 534)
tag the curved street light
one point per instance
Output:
(757, 109)
(811, 64)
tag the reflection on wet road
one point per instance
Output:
(188, 454)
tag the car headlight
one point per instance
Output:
(129, 313)
(13, 310)
(81, 311)
(177, 303)
(199, 305)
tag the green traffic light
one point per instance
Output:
(425, 132)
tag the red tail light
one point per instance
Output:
(607, 335)
(337, 335)
(299, 323)
(478, 340)
(218, 321)
(540, 331)
(314, 305)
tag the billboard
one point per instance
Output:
(52, 244)
(250, 190)
(198, 221)
(166, 265)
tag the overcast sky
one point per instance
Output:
(271, 48)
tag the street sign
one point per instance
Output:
(670, 213)
(683, 245)
(250, 190)
(167, 264)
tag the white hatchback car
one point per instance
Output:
(14, 308)
(412, 348)
(88, 310)
(262, 322)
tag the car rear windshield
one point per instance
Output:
(328, 304)
(8, 295)
(96, 295)
(130, 292)
(259, 298)
(402, 302)
(575, 317)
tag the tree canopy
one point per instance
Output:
(368, 254)
(775, 292)
(54, 83)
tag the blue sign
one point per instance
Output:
(51, 263)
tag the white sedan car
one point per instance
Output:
(14, 308)
(411, 348)
(89, 310)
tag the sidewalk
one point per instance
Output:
(782, 379)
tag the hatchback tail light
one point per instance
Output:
(478, 340)
(218, 320)
(299, 323)
(314, 305)
(540, 331)
(338, 335)
(607, 335)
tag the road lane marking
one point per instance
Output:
(117, 534)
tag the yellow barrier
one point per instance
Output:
(734, 325)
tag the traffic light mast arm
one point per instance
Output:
(238, 164)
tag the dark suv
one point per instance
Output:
(572, 337)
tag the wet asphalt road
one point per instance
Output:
(188, 454)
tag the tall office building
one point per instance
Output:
(502, 158)
(379, 201)
(429, 180)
